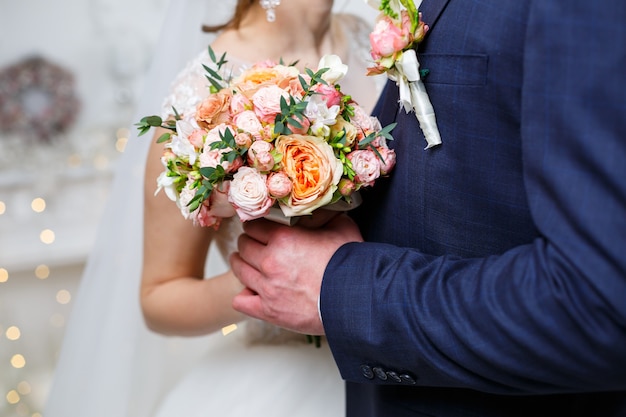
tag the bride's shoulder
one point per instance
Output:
(188, 87)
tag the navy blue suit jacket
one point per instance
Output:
(493, 279)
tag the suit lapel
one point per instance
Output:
(431, 10)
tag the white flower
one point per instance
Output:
(180, 144)
(336, 69)
(166, 183)
(320, 115)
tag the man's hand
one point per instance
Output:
(282, 268)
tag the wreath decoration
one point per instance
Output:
(37, 99)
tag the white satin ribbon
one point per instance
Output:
(413, 95)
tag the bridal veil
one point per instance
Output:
(110, 364)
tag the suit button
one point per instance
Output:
(394, 376)
(367, 372)
(380, 373)
(407, 379)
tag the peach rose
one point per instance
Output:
(257, 77)
(214, 110)
(313, 169)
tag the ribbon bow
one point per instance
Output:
(413, 95)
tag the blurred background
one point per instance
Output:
(70, 75)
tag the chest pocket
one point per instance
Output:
(470, 70)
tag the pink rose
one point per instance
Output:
(279, 185)
(249, 195)
(213, 157)
(346, 187)
(361, 119)
(200, 215)
(366, 165)
(387, 38)
(239, 103)
(329, 94)
(243, 140)
(267, 102)
(197, 138)
(248, 122)
(304, 122)
(260, 157)
(218, 203)
(389, 160)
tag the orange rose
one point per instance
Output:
(250, 81)
(313, 169)
(214, 110)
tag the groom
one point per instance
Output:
(492, 276)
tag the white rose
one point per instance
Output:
(336, 69)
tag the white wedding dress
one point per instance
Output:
(111, 365)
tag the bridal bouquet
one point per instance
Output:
(270, 139)
(399, 29)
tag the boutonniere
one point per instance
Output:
(399, 29)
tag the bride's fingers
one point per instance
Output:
(249, 303)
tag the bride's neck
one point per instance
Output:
(299, 33)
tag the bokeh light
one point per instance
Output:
(13, 333)
(42, 271)
(47, 236)
(38, 205)
(63, 296)
(18, 361)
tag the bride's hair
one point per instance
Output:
(240, 10)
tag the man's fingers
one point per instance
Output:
(260, 229)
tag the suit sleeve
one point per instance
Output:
(545, 317)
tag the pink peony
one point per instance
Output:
(389, 160)
(366, 165)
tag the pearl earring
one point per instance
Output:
(269, 5)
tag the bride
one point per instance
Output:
(111, 364)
